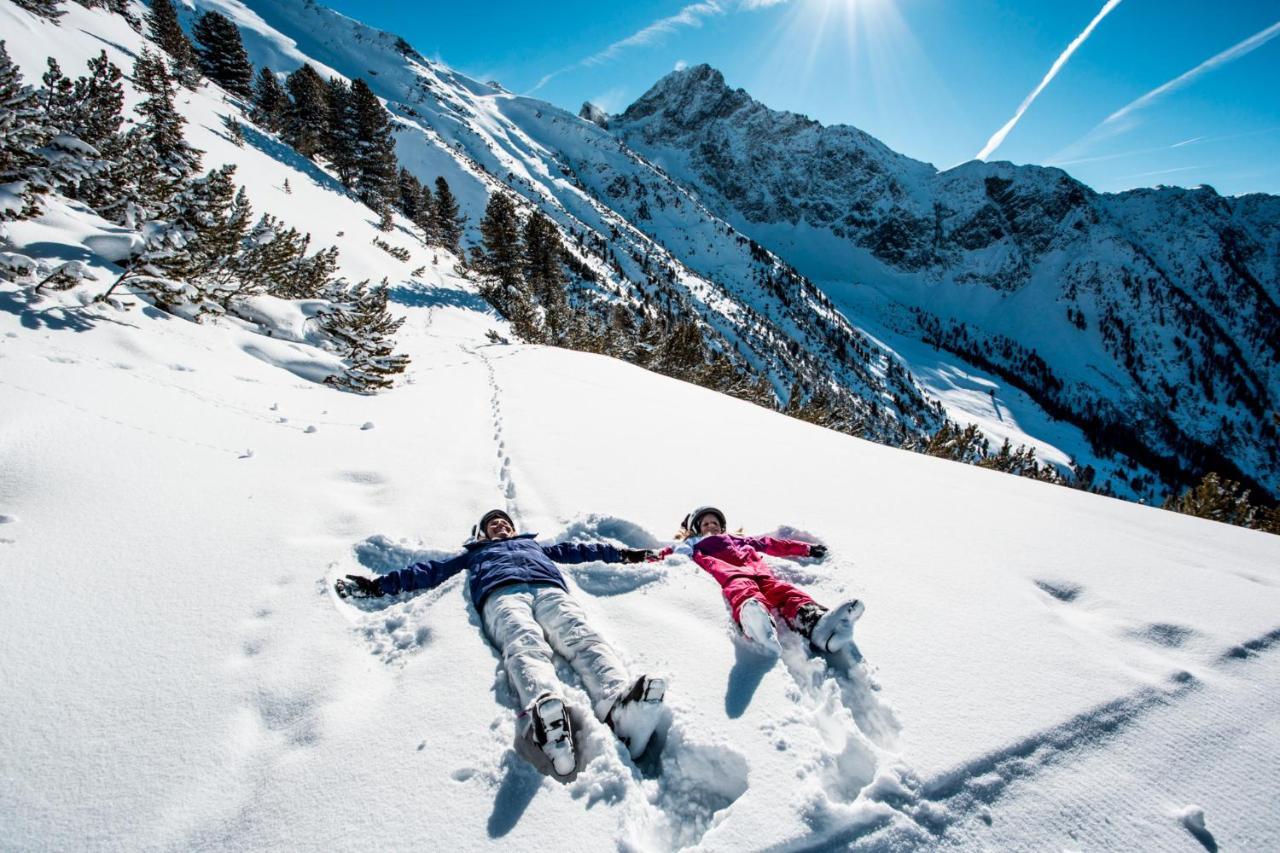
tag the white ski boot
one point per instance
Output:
(832, 630)
(757, 625)
(552, 733)
(636, 712)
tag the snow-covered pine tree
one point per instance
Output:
(448, 223)
(340, 132)
(57, 96)
(221, 54)
(217, 217)
(161, 161)
(71, 159)
(23, 131)
(164, 29)
(364, 330)
(376, 166)
(1217, 499)
(309, 112)
(275, 261)
(188, 262)
(270, 101)
(99, 100)
(44, 8)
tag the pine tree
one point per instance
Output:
(44, 8)
(448, 223)
(162, 163)
(100, 98)
(309, 113)
(340, 132)
(1217, 499)
(23, 131)
(543, 270)
(363, 330)
(409, 201)
(222, 56)
(499, 253)
(270, 101)
(57, 97)
(164, 29)
(425, 218)
(375, 150)
(216, 216)
(275, 261)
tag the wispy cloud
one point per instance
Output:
(690, 16)
(1249, 45)
(998, 137)
(1122, 154)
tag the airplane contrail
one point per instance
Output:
(998, 137)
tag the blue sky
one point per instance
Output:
(1120, 93)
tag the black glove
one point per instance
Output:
(354, 586)
(817, 551)
(634, 555)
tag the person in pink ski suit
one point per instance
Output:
(754, 592)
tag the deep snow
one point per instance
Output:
(1042, 668)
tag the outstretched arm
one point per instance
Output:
(426, 575)
(786, 547)
(579, 552)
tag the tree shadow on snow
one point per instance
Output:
(748, 671)
(431, 297)
(25, 304)
(287, 156)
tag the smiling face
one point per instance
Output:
(499, 528)
(709, 525)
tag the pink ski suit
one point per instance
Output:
(736, 564)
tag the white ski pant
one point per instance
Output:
(525, 622)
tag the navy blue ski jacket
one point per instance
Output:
(498, 562)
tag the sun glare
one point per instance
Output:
(859, 50)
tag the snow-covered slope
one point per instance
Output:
(645, 237)
(1149, 318)
(1044, 667)
(1040, 667)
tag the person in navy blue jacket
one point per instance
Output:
(527, 612)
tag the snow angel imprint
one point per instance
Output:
(528, 615)
(754, 593)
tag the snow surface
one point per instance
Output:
(1040, 668)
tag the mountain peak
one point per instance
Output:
(594, 114)
(689, 96)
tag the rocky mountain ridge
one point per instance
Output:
(1147, 318)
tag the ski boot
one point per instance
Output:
(636, 712)
(552, 733)
(828, 630)
(757, 626)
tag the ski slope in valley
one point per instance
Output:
(1042, 667)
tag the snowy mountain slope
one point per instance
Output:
(1042, 667)
(1148, 318)
(189, 671)
(645, 237)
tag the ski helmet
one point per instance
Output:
(478, 531)
(691, 520)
